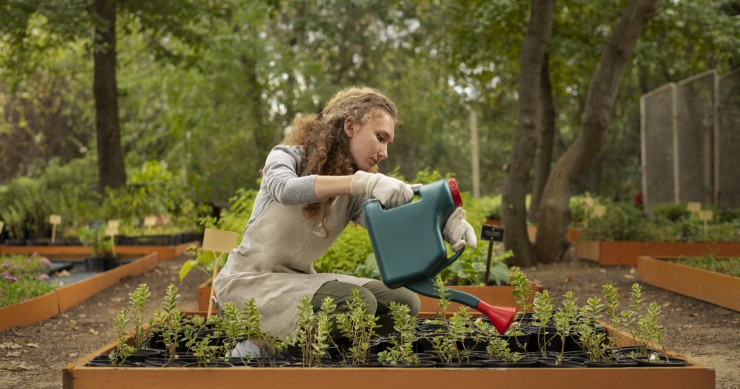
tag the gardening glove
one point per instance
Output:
(390, 191)
(458, 231)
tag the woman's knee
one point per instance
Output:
(341, 293)
(385, 295)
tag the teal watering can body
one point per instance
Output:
(410, 250)
(407, 240)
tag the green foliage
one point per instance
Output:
(16, 289)
(349, 251)
(123, 350)
(138, 300)
(151, 190)
(167, 320)
(94, 237)
(313, 333)
(19, 264)
(666, 223)
(470, 268)
(358, 326)
(401, 349)
(522, 290)
(450, 345)
(26, 203)
(368, 269)
(729, 266)
(23, 277)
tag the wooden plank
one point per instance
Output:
(716, 288)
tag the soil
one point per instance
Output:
(33, 356)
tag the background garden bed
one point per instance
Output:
(716, 288)
(625, 253)
(164, 252)
(67, 296)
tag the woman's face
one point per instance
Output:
(369, 142)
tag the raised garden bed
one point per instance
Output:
(626, 253)
(78, 376)
(165, 252)
(67, 296)
(716, 288)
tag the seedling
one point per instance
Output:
(401, 349)
(312, 335)
(542, 316)
(138, 300)
(123, 350)
(358, 326)
(168, 321)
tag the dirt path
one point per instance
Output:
(702, 332)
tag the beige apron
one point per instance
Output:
(274, 263)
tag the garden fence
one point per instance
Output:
(689, 139)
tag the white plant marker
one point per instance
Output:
(693, 206)
(217, 241)
(112, 230)
(599, 211)
(150, 221)
(2, 224)
(705, 216)
(54, 220)
(588, 202)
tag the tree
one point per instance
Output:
(64, 22)
(572, 165)
(531, 58)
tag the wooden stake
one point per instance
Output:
(213, 277)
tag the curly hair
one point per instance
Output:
(326, 145)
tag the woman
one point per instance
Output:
(313, 185)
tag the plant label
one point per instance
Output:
(588, 202)
(492, 233)
(110, 231)
(114, 223)
(693, 206)
(55, 219)
(150, 221)
(705, 215)
(2, 224)
(219, 240)
(599, 211)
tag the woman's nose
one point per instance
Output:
(383, 154)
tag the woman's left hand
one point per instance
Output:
(458, 231)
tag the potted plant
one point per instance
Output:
(455, 339)
(101, 246)
(400, 351)
(357, 326)
(313, 336)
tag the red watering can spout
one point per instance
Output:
(501, 317)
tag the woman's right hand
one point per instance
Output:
(389, 191)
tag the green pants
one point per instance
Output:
(377, 295)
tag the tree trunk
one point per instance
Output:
(513, 206)
(545, 142)
(570, 168)
(264, 136)
(111, 169)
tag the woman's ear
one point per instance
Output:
(349, 123)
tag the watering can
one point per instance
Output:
(410, 249)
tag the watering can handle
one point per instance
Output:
(448, 261)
